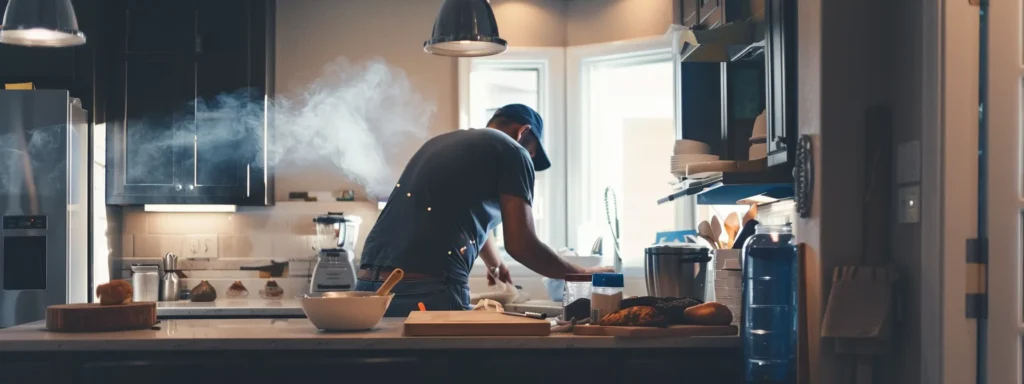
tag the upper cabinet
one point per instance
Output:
(186, 121)
(737, 60)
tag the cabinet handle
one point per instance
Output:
(191, 187)
(780, 143)
(177, 187)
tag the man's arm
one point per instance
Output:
(522, 243)
(491, 256)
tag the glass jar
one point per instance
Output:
(606, 295)
(576, 297)
(769, 309)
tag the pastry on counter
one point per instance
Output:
(237, 289)
(673, 308)
(203, 292)
(114, 292)
(272, 291)
(488, 305)
(638, 316)
(708, 314)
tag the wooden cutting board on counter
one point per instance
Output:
(100, 318)
(671, 331)
(472, 323)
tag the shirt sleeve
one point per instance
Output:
(516, 176)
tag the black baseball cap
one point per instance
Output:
(527, 116)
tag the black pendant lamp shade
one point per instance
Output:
(465, 28)
(41, 23)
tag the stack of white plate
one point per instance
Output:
(688, 152)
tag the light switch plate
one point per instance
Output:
(908, 162)
(201, 246)
(910, 204)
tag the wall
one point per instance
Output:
(844, 68)
(599, 21)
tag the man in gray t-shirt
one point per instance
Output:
(456, 189)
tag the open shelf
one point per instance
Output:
(732, 187)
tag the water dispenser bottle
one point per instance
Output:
(769, 312)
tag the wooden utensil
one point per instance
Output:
(672, 331)
(393, 279)
(704, 230)
(472, 323)
(732, 227)
(716, 231)
(100, 318)
(750, 215)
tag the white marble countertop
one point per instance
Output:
(257, 307)
(300, 334)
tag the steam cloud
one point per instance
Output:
(355, 116)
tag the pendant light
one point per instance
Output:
(465, 28)
(40, 23)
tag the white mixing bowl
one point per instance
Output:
(346, 311)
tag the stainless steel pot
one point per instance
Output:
(678, 270)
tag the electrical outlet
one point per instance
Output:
(201, 246)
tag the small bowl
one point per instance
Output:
(346, 311)
(757, 151)
(690, 147)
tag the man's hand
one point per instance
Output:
(593, 270)
(501, 271)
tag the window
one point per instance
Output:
(609, 113)
(621, 132)
(534, 77)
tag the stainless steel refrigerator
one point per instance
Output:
(44, 136)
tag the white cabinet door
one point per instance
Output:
(1005, 190)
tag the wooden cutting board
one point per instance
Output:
(672, 331)
(472, 323)
(100, 318)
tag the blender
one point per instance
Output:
(336, 237)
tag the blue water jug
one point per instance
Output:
(769, 312)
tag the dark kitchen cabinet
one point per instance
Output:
(780, 68)
(186, 122)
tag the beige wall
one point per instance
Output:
(599, 21)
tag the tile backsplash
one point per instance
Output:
(250, 237)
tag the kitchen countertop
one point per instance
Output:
(300, 334)
(283, 308)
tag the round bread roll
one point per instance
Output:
(708, 314)
(114, 292)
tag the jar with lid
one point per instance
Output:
(606, 295)
(576, 297)
(769, 310)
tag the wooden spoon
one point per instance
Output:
(750, 215)
(732, 227)
(393, 279)
(716, 231)
(704, 230)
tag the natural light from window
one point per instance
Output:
(628, 133)
(490, 88)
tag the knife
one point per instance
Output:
(532, 315)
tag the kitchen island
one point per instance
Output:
(287, 350)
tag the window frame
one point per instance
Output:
(549, 62)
